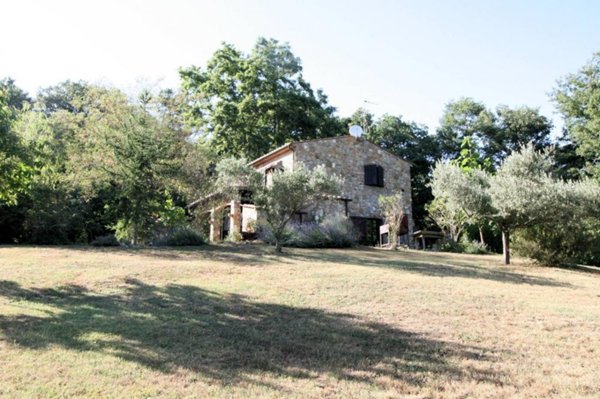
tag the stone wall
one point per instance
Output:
(347, 156)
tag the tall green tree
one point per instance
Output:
(463, 118)
(68, 193)
(248, 104)
(14, 168)
(99, 160)
(142, 161)
(577, 97)
(67, 96)
(515, 128)
(15, 97)
(363, 118)
(495, 134)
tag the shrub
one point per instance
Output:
(340, 231)
(465, 246)
(179, 237)
(475, 248)
(234, 236)
(108, 240)
(332, 232)
(451, 246)
(565, 243)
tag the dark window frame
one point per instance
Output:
(374, 175)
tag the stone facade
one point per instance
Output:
(346, 156)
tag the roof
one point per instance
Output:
(290, 147)
(270, 155)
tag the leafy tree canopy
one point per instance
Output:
(15, 97)
(578, 100)
(495, 134)
(463, 118)
(249, 104)
(292, 191)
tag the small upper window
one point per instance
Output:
(373, 175)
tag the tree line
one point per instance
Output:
(79, 160)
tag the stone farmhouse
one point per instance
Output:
(368, 172)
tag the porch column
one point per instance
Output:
(236, 216)
(411, 228)
(215, 225)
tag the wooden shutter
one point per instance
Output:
(380, 176)
(371, 175)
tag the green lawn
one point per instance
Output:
(241, 322)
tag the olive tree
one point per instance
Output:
(394, 210)
(292, 191)
(521, 194)
(451, 220)
(460, 197)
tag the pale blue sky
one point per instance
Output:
(408, 58)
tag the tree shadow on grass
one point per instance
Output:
(238, 254)
(229, 338)
(416, 263)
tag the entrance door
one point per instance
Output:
(225, 223)
(368, 230)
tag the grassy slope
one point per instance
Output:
(241, 322)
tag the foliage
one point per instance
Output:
(516, 128)
(142, 159)
(470, 161)
(16, 98)
(574, 234)
(108, 240)
(469, 158)
(466, 246)
(53, 216)
(568, 164)
(234, 236)
(234, 174)
(66, 96)
(178, 237)
(249, 104)
(170, 215)
(394, 210)
(363, 118)
(475, 248)
(15, 171)
(494, 134)
(523, 194)
(577, 97)
(461, 197)
(332, 232)
(451, 220)
(94, 159)
(451, 246)
(463, 118)
(291, 192)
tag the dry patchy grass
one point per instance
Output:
(240, 322)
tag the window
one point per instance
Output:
(373, 175)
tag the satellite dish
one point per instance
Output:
(356, 131)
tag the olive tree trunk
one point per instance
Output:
(506, 246)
